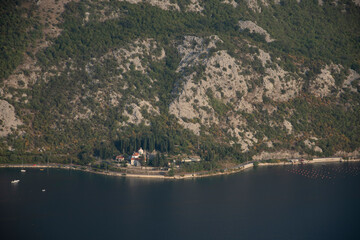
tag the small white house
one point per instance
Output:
(134, 157)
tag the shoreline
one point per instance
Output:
(228, 171)
(119, 174)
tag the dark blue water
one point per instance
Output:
(264, 203)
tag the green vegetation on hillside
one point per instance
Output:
(307, 35)
(326, 33)
(18, 28)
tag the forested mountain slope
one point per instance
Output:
(225, 80)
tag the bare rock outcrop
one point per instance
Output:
(277, 155)
(163, 4)
(194, 6)
(219, 75)
(254, 28)
(255, 5)
(354, 154)
(131, 56)
(218, 86)
(348, 83)
(324, 82)
(245, 138)
(134, 112)
(8, 119)
(288, 126)
(231, 2)
(279, 85)
(311, 144)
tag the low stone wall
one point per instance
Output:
(249, 165)
(144, 176)
(279, 163)
(317, 160)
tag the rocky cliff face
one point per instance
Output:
(9, 121)
(224, 87)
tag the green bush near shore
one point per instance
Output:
(171, 173)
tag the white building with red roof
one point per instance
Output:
(119, 158)
(134, 158)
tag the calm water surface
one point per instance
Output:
(305, 202)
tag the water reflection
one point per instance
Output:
(282, 202)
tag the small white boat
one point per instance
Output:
(22, 166)
(15, 181)
(43, 190)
